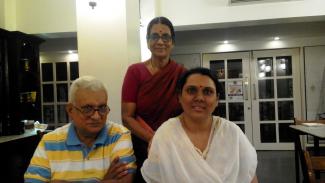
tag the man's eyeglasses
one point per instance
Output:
(155, 37)
(89, 110)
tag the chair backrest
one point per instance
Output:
(299, 121)
(40, 134)
(314, 163)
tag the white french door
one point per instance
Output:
(233, 72)
(262, 93)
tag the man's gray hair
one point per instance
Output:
(85, 82)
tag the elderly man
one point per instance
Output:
(88, 149)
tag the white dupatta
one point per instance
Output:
(173, 158)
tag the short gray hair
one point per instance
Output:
(85, 82)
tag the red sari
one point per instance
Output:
(155, 98)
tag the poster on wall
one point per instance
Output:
(235, 90)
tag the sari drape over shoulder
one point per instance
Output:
(157, 99)
(173, 158)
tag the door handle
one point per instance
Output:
(254, 91)
(246, 88)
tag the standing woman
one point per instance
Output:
(148, 92)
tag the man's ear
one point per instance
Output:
(69, 108)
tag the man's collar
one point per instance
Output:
(73, 139)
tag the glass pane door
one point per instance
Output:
(275, 97)
(232, 70)
(261, 93)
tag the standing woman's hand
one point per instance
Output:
(129, 121)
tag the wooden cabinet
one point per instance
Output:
(20, 80)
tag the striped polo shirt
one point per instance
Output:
(61, 156)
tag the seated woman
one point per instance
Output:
(197, 146)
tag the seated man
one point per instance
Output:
(88, 149)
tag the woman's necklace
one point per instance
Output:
(153, 69)
(158, 65)
(203, 153)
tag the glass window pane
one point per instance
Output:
(74, 70)
(265, 67)
(48, 93)
(284, 88)
(268, 133)
(62, 115)
(242, 127)
(220, 110)
(47, 72)
(285, 110)
(266, 88)
(283, 66)
(267, 111)
(235, 69)
(218, 68)
(284, 136)
(236, 111)
(223, 93)
(61, 71)
(62, 92)
(48, 113)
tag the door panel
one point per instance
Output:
(277, 87)
(261, 93)
(232, 70)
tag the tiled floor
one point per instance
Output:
(276, 167)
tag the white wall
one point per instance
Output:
(250, 38)
(248, 45)
(8, 14)
(193, 13)
(108, 41)
(38, 16)
(2, 16)
(314, 72)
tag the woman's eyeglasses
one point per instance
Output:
(89, 110)
(155, 37)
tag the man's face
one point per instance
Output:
(88, 122)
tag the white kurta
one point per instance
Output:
(173, 158)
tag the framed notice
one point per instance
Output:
(235, 90)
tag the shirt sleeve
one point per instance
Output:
(38, 169)
(124, 150)
(131, 85)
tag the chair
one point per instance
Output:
(40, 133)
(314, 163)
(299, 153)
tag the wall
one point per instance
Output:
(2, 17)
(38, 16)
(60, 44)
(315, 72)
(202, 14)
(59, 16)
(8, 14)
(250, 38)
(108, 41)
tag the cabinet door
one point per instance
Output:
(24, 80)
